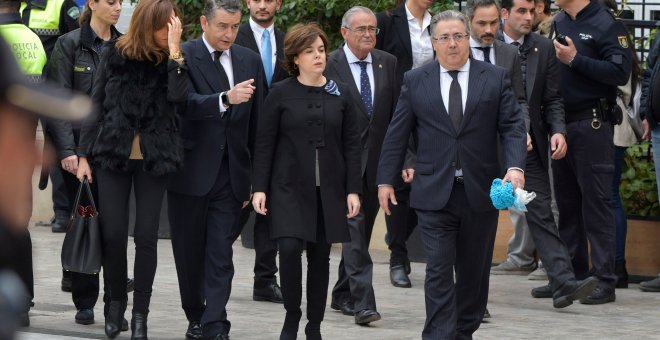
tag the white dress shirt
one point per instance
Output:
(509, 40)
(356, 70)
(225, 61)
(479, 54)
(258, 32)
(420, 39)
(445, 83)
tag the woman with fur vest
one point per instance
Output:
(131, 140)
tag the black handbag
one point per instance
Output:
(81, 251)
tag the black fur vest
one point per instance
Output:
(136, 101)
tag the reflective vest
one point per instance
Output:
(45, 21)
(27, 48)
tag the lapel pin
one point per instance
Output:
(536, 49)
(380, 66)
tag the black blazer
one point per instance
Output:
(491, 110)
(296, 121)
(386, 92)
(546, 106)
(206, 136)
(394, 37)
(245, 38)
(507, 56)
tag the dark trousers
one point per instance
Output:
(551, 249)
(114, 192)
(318, 271)
(355, 277)
(458, 239)
(84, 287)
(400, 224)
(583, 188)
(265, 249)
(60, 195)
(203, 229)
(620, 217)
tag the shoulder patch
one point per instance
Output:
(74, 13)
(623, 41)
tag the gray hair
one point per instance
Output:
(472, 6)
(447, 16)
(348, 16)
(211, 6)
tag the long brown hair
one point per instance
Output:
(138, 42)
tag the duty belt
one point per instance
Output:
(594, 114)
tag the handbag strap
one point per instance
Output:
(89, 194)
(77, 201)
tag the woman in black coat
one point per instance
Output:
(72, 65)
(132, 140)
(307, 162)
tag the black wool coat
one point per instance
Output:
(135, 97)
(295, 122)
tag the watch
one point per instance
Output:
(224, 99)
(176, 55)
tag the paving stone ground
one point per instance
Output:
(516, 315)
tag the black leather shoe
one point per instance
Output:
(487, 314)
(599, 296)
(113, 321)
(576, 291)
(346, 307)
(194, 330)
(60, 224)
(621, 274)
(408, 270)
(268, 291)
(85, 317)
(65, 285)
(398, 276)
(130, 285)
(139, 326)
(543, 292)
(220, 337)
(124, 325)
(650, 286)
(366, 316)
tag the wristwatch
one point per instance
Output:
(224, 99)
(176, 55)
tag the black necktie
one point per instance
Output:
(455, 106)
(523, 63)
(365, 87)
(486, 51)
(224, 81)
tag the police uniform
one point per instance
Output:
(31, 58)
(583, 179)
(50, 19)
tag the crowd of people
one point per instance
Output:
(414, 114)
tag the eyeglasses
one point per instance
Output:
(364, 29)
(443, 39)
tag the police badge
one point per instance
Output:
(623, 41)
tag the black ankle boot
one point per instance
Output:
(290, 327)
(114, 318)
(313, 331)
(139, 326)
(621, 274)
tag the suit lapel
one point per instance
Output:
(476, 83)
(248, 37)
(238, 68)
(435, 102)
(343, 70)
(279, 72)
(499, 54)
(532, 63)
(379, 75)
(400, 20)
(206, 67)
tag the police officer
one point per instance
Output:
(31, 58)
(50, 19)
(593, 50)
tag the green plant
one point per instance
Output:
(638, 187)
(327, 13)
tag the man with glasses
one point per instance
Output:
(373, 82)
(458, 108)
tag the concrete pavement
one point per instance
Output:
(516, 315)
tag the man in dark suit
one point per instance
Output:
(259, 35)
(404, 32)
(207, 194)
(371, 75)
(457, 108)
(546, 109)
